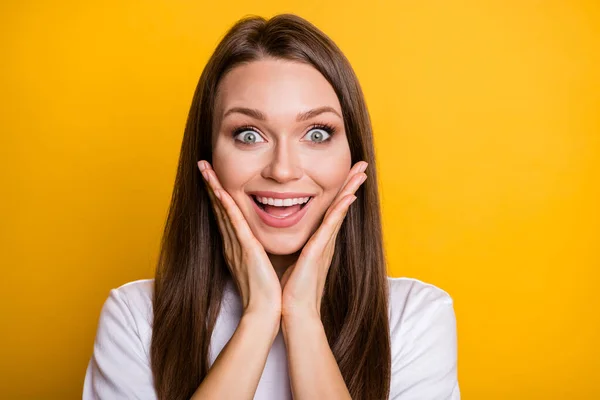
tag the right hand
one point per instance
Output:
(255, 277)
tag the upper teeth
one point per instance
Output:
(282, 202)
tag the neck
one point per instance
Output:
(281, 262)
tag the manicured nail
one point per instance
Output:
(363, 167)
(218, 194)
(201, 166)
(363, 179)
(352, 201)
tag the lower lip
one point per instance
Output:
(275, 222)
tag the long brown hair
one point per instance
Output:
(191, 271)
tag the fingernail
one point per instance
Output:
(202, 166)
(363, 167)
(363, 179)
(353, 199)
(218, 194)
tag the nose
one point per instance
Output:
(284, 164)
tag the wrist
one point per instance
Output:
(300, 315)
(268, 323)
(306, 323)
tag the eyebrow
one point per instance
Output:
(303, 116)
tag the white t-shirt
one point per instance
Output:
(422, 331)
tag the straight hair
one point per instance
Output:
(191, 272)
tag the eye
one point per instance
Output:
(247, 135)
(320, 133)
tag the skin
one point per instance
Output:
(287, 160)
(283, 159)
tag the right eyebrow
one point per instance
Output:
(251, 112)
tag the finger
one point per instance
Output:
(218, 209)
(219, 212)
(209, 188)
(330, 226)
(360, 166)
(322, 242)
(213, 185)
(351, 188)
(237, 219)
(218, 189)
(209, 175)
(235, 216)
(231, 213)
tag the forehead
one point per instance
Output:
(278, 88)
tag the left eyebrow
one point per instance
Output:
(303, 116)
(314, 112)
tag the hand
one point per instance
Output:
(303, 282)
(246, 258)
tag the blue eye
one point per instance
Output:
(320, 133)
(247, 136)
(317, 134)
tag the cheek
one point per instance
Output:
(330, 171)
(235, 169)
(231, 168)
(225, 169)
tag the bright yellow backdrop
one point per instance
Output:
(488, 142)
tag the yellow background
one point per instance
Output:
(486, 116)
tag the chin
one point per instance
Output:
(282, 244)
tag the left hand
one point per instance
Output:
(304, 281)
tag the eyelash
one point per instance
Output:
(330, 129)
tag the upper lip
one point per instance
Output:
(280, 195)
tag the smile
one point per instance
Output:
(280, 210)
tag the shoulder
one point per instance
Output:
(413, 301)
(135, 300)
(136, 293)
(119, 366)
(127, 314)
(127, 311)
(423, 340)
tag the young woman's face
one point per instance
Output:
(263, 149)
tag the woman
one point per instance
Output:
(271, 280)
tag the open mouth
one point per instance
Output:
(275, 209)
(281, 213)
